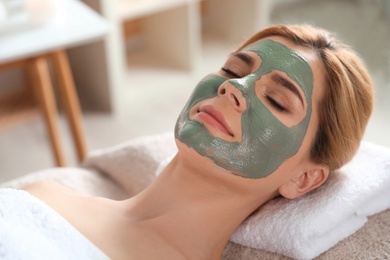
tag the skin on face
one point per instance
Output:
(252, 115)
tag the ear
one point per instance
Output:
(304, 182)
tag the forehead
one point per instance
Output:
(308, 54)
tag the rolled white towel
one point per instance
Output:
(306, 227)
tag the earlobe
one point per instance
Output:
(304, 182)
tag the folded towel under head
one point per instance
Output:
(304, 228)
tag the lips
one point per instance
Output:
(209, 115)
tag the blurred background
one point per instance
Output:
(134, 79)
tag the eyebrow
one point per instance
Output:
(244, 57)
(287, 84)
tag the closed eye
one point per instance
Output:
(275, 104)
(230, 73)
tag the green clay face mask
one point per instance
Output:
(266, 142)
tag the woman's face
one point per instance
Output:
(255, 113)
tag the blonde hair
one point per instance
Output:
(348, 98)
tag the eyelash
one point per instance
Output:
(275, 104)
(231, 73)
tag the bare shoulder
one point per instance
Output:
(105, 223)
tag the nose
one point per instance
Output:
(233, 95)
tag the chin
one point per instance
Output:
(203, 165)
(187, 152)
(195, 160)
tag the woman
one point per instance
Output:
(286, 109)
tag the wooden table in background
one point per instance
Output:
(34, 49)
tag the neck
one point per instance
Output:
(195, 212)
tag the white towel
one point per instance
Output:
(306, 227)
(29, 229)
(302, 228)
